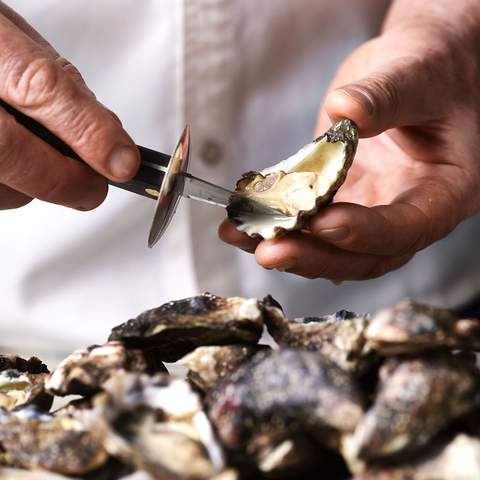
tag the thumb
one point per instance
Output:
(398, 94)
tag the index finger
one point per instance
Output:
(34, 82)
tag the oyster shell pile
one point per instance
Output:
(392, 396)
(298, 186)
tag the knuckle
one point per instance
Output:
(33, 84)
(384, 94)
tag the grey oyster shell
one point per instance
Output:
(86, 370)
(456, 459)
(158, 425)
(339, 337)
(210, 365)
(416, 399)
(176, 328)
(412, 327)
(19, 474)
(297, 186)
(65, 445)
(289, 391)
(22, 382)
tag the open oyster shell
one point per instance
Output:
(297, 186)
(85, 371)
(22, 382)
(158, 425)
(176, 328)
(412, 327)
(65, 444)
(416, 399)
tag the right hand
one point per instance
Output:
(38, 82)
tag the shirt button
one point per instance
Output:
(211, 152)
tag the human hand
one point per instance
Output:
(414, 94)
(37, 81)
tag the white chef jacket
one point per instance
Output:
(248, 76)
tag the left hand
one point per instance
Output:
(414, 95)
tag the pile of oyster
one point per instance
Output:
(392, 396)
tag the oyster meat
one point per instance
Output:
(66, 445)
(22, 382)
(176, 328)
(412, 327)
(287, 389)
(209, 365)
(298, 186)
(157, 424)
(86, 370)
(417, 398)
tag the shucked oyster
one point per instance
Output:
(66, 445)
(411, 327)
(209, 365)
(22, 383)
(158, 425)
(176, 328)
(297, 186)
(85, 371)
(417, 398)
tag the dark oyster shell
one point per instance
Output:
(290, 390)
(339, 337)
(64, 445)
(158, 425)
(417, 398)
(176, 328)
(456, 459)
(412, 327)
(22, 383)
(209, 365)
(86, 370)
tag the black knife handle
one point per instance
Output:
(146, 182)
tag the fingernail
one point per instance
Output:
(123, 162)
(335, 234)
(360, 95)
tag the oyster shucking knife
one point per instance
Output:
(161, 177)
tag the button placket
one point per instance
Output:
(209, 100)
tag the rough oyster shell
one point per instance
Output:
(22, 382)
(18, 474)
(288, 389)
(417, 398)
(412, 327)
(158, 425)
(339, 337)
(65, 445)
(85, 371)
(456, 459)
(209, 365)
(297, 186)
(176, 328)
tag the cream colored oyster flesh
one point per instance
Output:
(297, 186)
